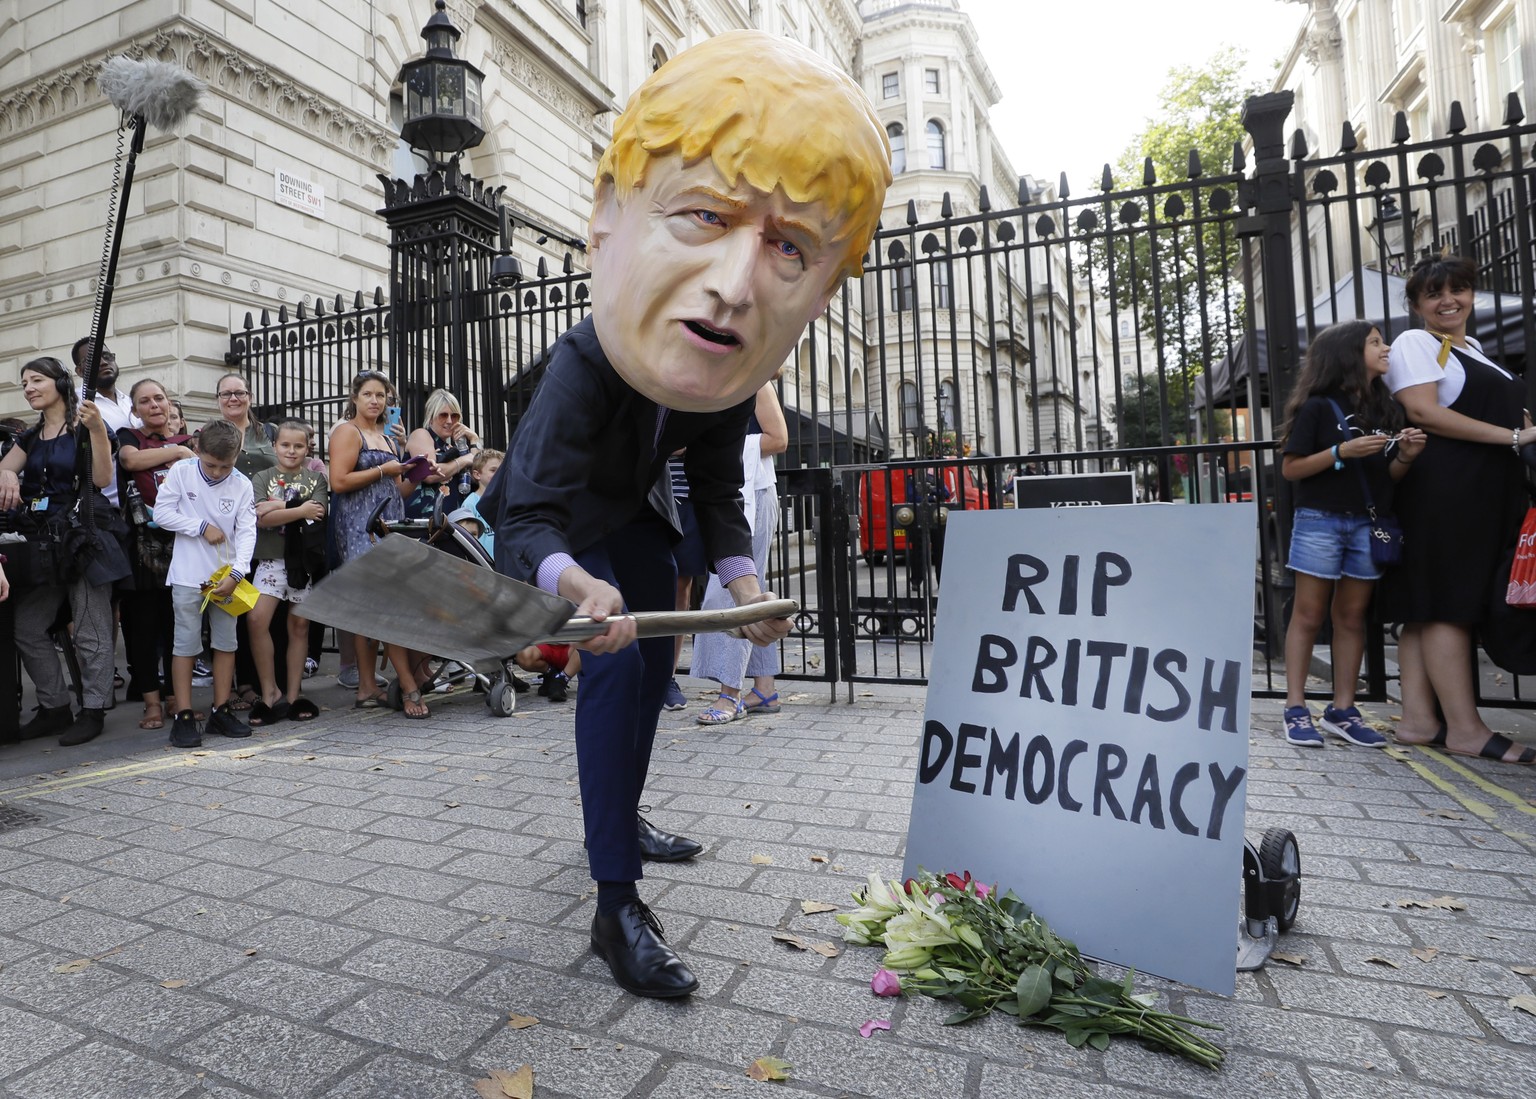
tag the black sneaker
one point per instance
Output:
(184, 731)
(554, 685)
(47, 721)
(224, 722)
(87, 727)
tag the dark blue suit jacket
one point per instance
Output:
(585, 459)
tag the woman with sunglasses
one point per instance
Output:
(257, 452)
(365, 470)
(450, 444)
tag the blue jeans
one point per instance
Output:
(1331, 544)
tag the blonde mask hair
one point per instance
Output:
(768, 111)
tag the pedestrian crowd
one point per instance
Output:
(199, 545)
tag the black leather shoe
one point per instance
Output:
(47, 721)
(631, 942)
(87, 727)
(659, 846)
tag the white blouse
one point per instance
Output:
(1414, 361)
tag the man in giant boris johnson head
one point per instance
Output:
(743, 184)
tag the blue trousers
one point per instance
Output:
(620, 697)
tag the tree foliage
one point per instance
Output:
(1176, 270)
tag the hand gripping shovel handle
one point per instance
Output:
(672, 623)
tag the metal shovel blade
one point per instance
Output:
(404, 592)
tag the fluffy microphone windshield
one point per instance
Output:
(163, 93)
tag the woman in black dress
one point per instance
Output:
(1460, 507)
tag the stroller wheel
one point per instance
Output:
(501, 699)
(1280, 859)
(395, 699)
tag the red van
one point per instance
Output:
(884, 503)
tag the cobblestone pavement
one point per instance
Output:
(353, 907)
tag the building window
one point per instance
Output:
(890, 85)
(1504, 57)
(931, 81)
(941, 285)
(936, 157)
(898, 138)
(1125, 327)
(658, 57)
(903, 289)
(911, 414)
(581, 13)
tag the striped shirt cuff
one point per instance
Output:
(734, 568)
(550, 569)
(237, 574)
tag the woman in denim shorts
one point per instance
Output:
(1343, 434)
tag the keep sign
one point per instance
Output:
(1085, 741)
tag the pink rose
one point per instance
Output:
(885, 983)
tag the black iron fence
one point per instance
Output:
(1150, 329)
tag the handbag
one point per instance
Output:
(242, 599)
(1521, 589)
(1386, 531)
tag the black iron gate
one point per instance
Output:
(1151, 329)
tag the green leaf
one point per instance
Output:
(964, 1017)
(1099, 1040)
(1033, 990)
(1078, 1037)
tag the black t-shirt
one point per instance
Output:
(50, 470)
(1316, 429)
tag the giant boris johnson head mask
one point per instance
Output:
(743, 184)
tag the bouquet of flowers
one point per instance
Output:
(955, 937)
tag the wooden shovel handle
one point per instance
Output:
(672, 623)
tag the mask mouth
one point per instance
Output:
(713, 335)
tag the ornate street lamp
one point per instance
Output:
(1394, 234)
(442, 95)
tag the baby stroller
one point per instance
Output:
(441, 532)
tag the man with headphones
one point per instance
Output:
(116, 408)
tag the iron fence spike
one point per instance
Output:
(1299, 145)
(1148, 173)
(983, 200)
(266, 318)
(1458, 121)
(1239, 161)
(249, 322)
(946, 207)
(1514, 114)
(1347, 141)
(1107, 180)
(1193, 170)
(911, 212)
(1023, 191)
(1400, 132)
(1062, 190)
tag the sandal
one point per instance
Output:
(1494, 748)
(717, 716)
(154, 716)
(263, 714)
(374, 701)
(413, 698)
(763, 705)
(302, 709)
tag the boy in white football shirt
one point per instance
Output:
(208, 505)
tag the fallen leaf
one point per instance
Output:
(762, 860)
(1525, 970)
(244, 755)
(873, 1025)
(825, 949)
(1444, 814)
(1447, 902)
(251, 952)
(1435, 994)
(521, 1022)
(1426, 954)
(310, 757)
(73, 967)
(1376, 959)
(174, 982)
(818, 858)
(1288, 959)
(507, 1085)
(1525, 1003)
(451, 804)
(769, 1068)
(810, 908)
